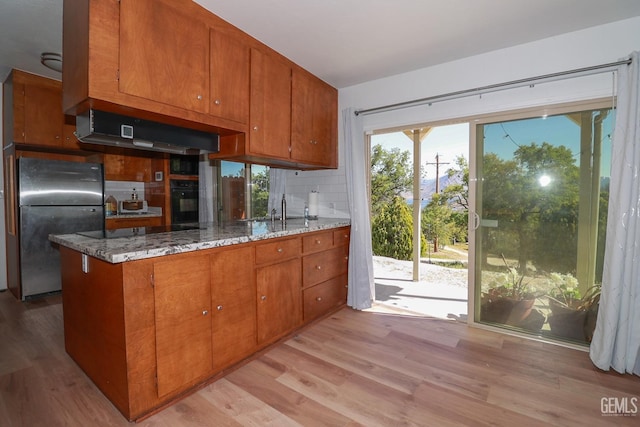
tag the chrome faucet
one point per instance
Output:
(283, 216)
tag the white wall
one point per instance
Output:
(594, 46)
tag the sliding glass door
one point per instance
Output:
(541, 194)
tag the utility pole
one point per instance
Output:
(437, 163)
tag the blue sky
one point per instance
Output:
(503, 138)
(448, 142)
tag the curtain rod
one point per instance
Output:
(594, 69)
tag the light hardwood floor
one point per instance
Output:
(350, 369)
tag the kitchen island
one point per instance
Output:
(151, 314)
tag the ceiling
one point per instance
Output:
(345, 42)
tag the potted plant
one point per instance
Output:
(572, 316)
(510, 301)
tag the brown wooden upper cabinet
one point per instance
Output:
(229, 76)
(270, 114)
(293, 118)
(34, 111)
(164, 55)
(314, 120)
(119, 167)
(145, 58)
(175, 62)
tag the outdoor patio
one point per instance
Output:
(441, 291)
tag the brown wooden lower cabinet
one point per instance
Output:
(182, 302)
(279, 299)
(324, 297)
(233, 305)
(115, 223)
(149, 331)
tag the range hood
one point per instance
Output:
(104, 128)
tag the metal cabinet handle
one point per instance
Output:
(280, 250)
(205, 312)
(255, 128)
(217, 102)
(219, 307)
(318, 267)
(199, 97)
(319, 299)
(318, 241)
(263, 297)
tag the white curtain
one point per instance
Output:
(616, 340)
(361, 290)
(277, 184)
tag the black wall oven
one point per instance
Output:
(184, 201)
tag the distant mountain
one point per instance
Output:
(428, 187)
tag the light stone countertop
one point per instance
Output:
(153, 212)
(141, 246)
(134, 215)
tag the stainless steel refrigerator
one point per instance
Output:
(55, 197)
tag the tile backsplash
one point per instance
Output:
(122, 190)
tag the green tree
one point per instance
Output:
(391, 230)
(532, 216)
(391, 175)
(555, 205)
(260, 192)
(457, 196)
(436, 221)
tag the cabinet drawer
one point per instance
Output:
(115, 223)
(341, 237)
(277, 251)
(325, 296)
(317, 242)
(323, 266)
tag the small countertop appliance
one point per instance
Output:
(133, 207)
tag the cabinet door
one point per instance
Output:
(229, 77)
(182, 296)
(120, 167)
(314, 120)
(69, 140)
(43, 118)
(164, 55)
(279, 299)
(233, 293)
(270, 110)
